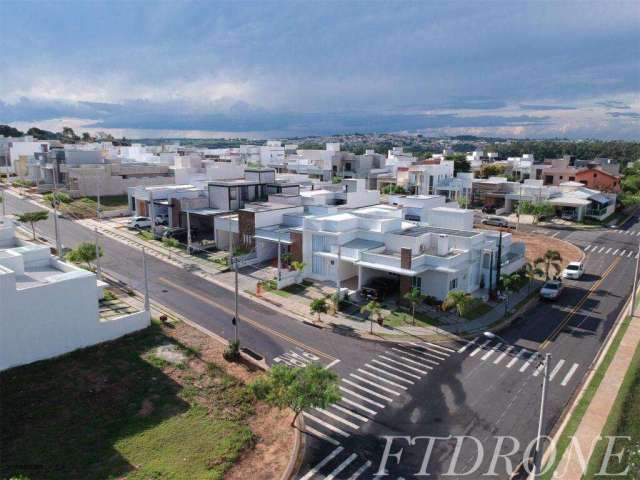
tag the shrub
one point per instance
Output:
(232, 352)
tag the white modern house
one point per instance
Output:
(445, 254)
(49, 307)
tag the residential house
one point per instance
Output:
(50, 307)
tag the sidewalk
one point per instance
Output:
(595, 418)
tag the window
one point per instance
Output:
(233, 193)
(416, 282)
(571, 179)
(595, 175)
(561, 177)
(453, 284)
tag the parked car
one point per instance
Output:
(379, 288)
(574, 270)
(551, 289)
(489, 209)
(179, 233)
(162, 219)
(140, 222)
(496, 221)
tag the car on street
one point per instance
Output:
(379, 288)
(495, 221)
(551, 290)
(574, 271)
(140, 222)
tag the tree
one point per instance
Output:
(32, 218)
(551, 258)
(414, 297)
(57, 198)
(69, 134)
(9, 131)
(85, 253)
(372, 309)
(298, 267)
(531, 272)
(456, 299)
(298, 388)
(460, 163)
(491, 170)
(318, 306)
(86, 137)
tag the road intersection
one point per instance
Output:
(481, 387)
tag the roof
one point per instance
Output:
(362, 244)
(424, 229)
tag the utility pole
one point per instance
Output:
(98, 207)
(279, 248)
(236, 318)
(491, 275)
(189, 228)
(4, 201)
(537, 458)
(499, 264)
(146, 281)
(338, 293)
(55, 209)
(98, 269)
(518, 213)
(635, 283)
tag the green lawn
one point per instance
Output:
(116, 411)
(85, 207)
(403, 319)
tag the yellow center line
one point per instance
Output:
(578, 306)
(244, 319)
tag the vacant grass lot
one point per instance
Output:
(118, 411)
(85, 207)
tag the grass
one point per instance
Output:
(623, 420)
(476, 308)
(581, 408)
(116, 411)
(86, 207)
(403, 319)
(146, 235)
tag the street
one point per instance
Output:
(483, 388)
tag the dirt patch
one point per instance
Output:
(274, 435)
(537, 245)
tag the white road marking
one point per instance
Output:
(412, 356)
(341, 467)
(616, 252)
(601, 249)
(555, 234)
(368, 390)
(327, 459)
(569, 374)
(586, 249)
(326, 425)
(528, 362)
(472, 342)
(349, 412)
(359, 472)
(557, 368)
(321, 435)
(475, 352)
(379, 378)
(538, 370)
(361, 397)
(435, 345)
(332, 363)
(637, 254)
(421, 351)
(630, 253)
(622, 253)
(515, 359)
(374, 384)
(491, 351)
(424, 372)
(357, 405)
(503, 354)
(396, 369)
(608, 250)
(392, 375)
(338, 418)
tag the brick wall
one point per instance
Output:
(296, 246)
(246, 228)
(405, 262)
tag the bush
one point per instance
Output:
(232, 352)
(432, 301)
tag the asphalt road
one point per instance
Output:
(484, 388)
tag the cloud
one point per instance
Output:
(546, 107)
(632, 115)
(613, 104)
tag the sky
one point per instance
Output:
(265, 68)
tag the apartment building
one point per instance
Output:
(50, 307)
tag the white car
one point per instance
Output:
(140, 222)
(574, 271)
(162, 219)
(551, 289)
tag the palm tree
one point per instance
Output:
(455, 299)
(298, 267)
(414, 297)
(531, 272)
(551, 258)
(372, 309)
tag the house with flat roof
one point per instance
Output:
(50, 307)
(353, 247)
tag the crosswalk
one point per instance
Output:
(521, 359)
(366, 391)
(616, 252)
(626, 232)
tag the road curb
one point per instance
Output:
(295, 459)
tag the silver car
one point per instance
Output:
(551, 289)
